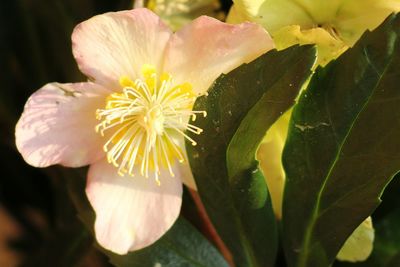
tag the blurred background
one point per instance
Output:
(39, 225)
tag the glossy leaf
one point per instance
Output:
(343, 147)
(241, 106)
(181, 246)
(386, 251)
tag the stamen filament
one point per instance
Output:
(142, 117)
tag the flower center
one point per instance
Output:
(146, 122)
(329, 28)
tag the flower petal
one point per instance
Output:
(347, 19)
(204, 49)
(359, 245)
(328, 47)
(179, 13)
(357, 16)
(237, 15)
(131, 212)
(58, 125)
(183, 170)
(118, 44)
(269, 155)
(274, 14)
(185, 173)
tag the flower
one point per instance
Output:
(129, 121)
(269, 154)
(333, 26)
(359, 245)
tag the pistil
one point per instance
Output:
(144, 123)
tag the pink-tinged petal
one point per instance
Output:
(185, 173)
(117, 44)
(131, 212)
(207, 47)
(58, 125)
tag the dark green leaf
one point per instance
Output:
(241, 106)
(386, 220)
(181, 246)
(343, 147)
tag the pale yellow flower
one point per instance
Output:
(269, 155)
(360, 244)
(333, 26)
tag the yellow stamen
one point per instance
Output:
(144, 122)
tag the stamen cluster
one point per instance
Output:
(145, 122)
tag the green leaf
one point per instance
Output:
(241, 106)
(386, 218)
(181, 246)
(343, 147)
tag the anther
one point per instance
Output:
(140, 119)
